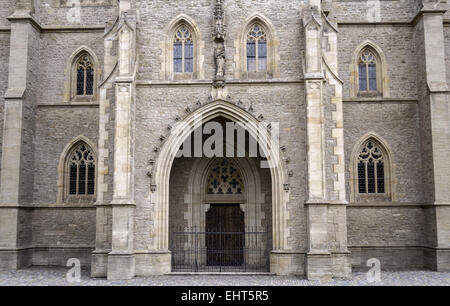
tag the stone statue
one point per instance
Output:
(219, 55)
(219, 31)
(219, 28)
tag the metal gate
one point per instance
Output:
(219, 250)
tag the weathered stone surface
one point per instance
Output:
(309, 90)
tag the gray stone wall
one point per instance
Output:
(447, 50)
(59, 234)
(28, 115)
(157, 107)
(4, 63)
(385, 226)
(424, 116)
(398, 124)
(55, 128)
(373, 10)
(49, 14)
(55, 51)
(401, 119)
(64, 227)
(394, 235)
(179, 186)
(156, 15)
(398, 45)
(266, 188)
(6, 9)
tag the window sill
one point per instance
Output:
(79, 199)
(83, 99)
(372, 198)
(378, 100)
(256, 76)
(70, 104)
(369, 94)
(384, 204)
(182, 76)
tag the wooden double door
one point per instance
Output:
(225, 235)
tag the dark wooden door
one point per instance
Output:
(225, 237)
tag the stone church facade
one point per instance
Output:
(99, 97)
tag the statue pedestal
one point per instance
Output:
(219, 91)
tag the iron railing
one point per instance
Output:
(217, 250)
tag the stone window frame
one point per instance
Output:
(167, 62)
(70, 94)
(390, 194)
(63, 173)
(272, 41)
(381, 71)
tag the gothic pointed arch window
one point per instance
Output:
(224, 179)
(367, 72)
(369, 77)
(257, 54)
(371, 169)
(83, 76)
(183, 50)
(80, 173)
(257, 48)
(373, 176)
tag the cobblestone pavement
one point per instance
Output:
(50, 276)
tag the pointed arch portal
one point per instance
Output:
(161, 181)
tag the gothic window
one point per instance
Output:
(224, 178)
(371, 169)
(80, 172)
(84, 80)
(257, 49)
(367, 71)
(183, 50)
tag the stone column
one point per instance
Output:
(435, 121)
(337, 210)
(121, 260)
(99, 259)
(16, 184)
(318, 258)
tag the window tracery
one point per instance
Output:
(224, 178)
(183, 50)
(371, 169)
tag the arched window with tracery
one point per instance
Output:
(85, 75)
(224, 178)
(80, 172)
(372, 166)
(257, 49)
(369, 75)
(183, 50)
(367, 71)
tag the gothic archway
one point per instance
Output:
(161, 179)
